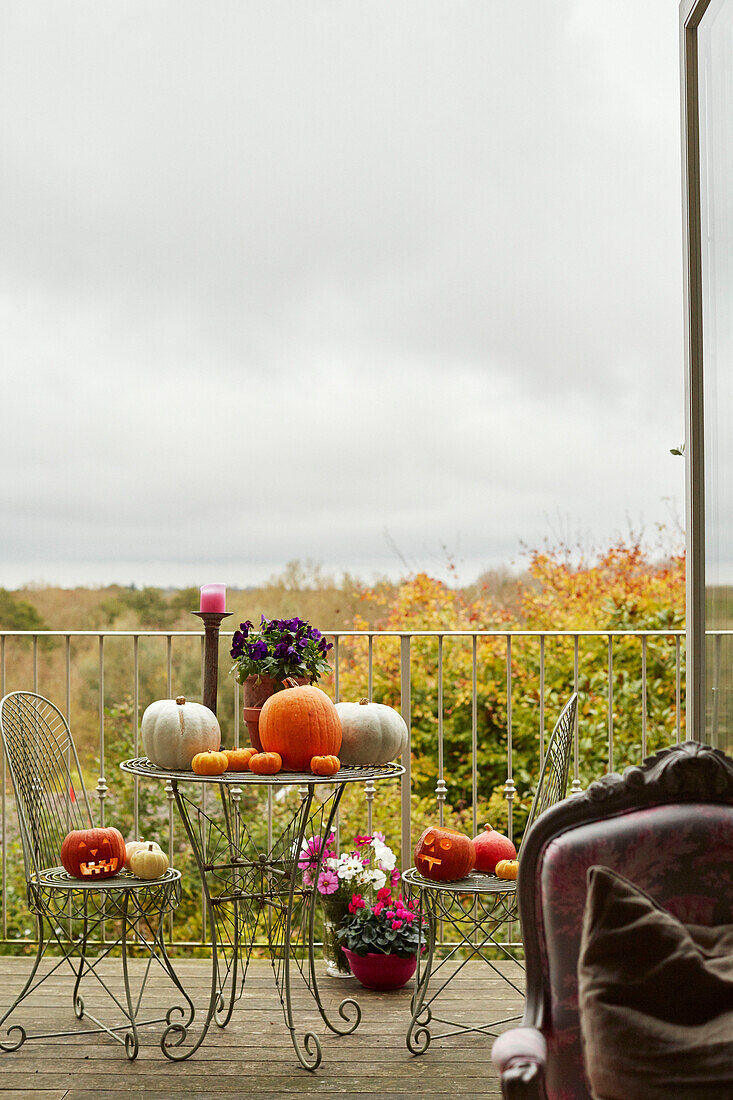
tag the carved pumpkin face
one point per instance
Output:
(93, 853)
(444, 854)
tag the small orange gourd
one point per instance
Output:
(507, 868)
(265, 763)
(325, 765)
(238, 759)
(210, 763)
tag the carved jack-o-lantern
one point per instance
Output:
(444, 854)
(93, 853)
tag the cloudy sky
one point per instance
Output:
(363, 283)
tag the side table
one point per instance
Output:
(249, 882)
(475, 908)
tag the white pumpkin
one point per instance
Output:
(135, 846)
(372, 733)
(149, 862)
(174, 731)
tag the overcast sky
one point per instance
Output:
(362, 283)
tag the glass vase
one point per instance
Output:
(337, 965)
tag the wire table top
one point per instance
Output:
(143, 767)
(476, 882)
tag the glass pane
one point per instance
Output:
(715, 45)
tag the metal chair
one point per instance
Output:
(51, 800)
(492, 905)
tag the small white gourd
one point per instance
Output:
(135, 846)
(371, 733)
(149, 862)
(174, 731)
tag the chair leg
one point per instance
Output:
(132, 1041)
(76, 998)
(10, 1046)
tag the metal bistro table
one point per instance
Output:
(249, 882)
(475, 908)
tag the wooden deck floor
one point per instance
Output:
(254, 1056)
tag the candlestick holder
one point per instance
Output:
(212, 621)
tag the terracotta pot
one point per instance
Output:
(381, 971)
(256, 690)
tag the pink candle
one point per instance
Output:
(213, 597)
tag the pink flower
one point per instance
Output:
(394, 878)
(361, 841)
(307, 878)
(356, 903)
(378, 908)
(407, 917)
(385, 894)
(328, 882)
(396, 924)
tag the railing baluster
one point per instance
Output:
(576, 786)
(370, 668)
(474, 734)
(610, 702)
(101, 781)
(440, 789)
(370, 786)
(406, 779)
(643, 697)
(336, 696)
(136, 734)
(237, 710)
(678, 687)
(169, 666)
(509, 789)
(35, 663)
(542, 701)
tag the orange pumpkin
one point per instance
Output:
(93, 853)
(210, 763)
(265, 763)
(238, 759)
(325, 765)
(300, 723)
(444, 854)
(507, 868)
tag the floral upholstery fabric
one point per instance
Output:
(681, 854)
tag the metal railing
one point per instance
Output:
(437, 679)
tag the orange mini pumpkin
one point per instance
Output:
(444, 854)
(210, 763)
(325, 765)
(299, 723)
(265, 763)
(507, 868)
(238, 759)
(93, 853)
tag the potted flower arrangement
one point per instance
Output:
(381, 941)
(368, 867)
(265, 657)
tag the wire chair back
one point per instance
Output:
(50, 796)
(553, 782)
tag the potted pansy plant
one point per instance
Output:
(265, 656)
(366, 869)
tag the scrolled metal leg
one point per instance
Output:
(176, 1034)
(16, 1028)
(418, 1036)
(348, 1005)
(168, 967)
(132, 1040)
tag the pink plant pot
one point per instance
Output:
(381, 971)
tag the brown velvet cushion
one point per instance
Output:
(656, 998)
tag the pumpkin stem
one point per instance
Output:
(180, 699)
(487, 826)
(362, 702)
(150, 847)
(290, 682)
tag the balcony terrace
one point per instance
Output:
(631, 688)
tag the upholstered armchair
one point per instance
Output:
(667, 826)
